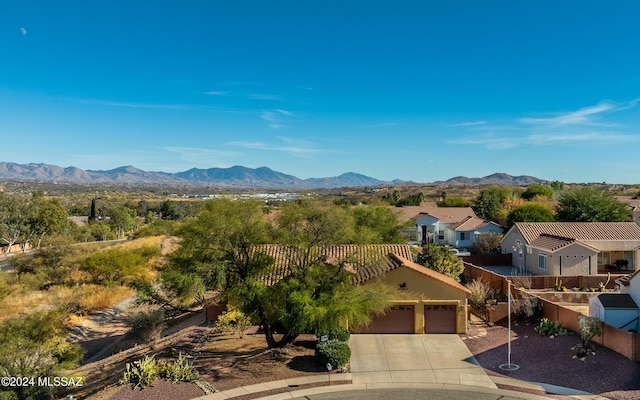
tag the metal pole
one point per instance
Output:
(508, 366)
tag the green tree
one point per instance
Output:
(441, 259)
(92, 213)
(34, 346)
(486, 243)
(118, 265)
(221, 249)
(557, 187)
(47, 216)
(411, 200)
(14, 218)
(174, 210)
(489, 201)
(538, 189)
(123, 219)
(376, 225)
(591, 205)
(454, 201)
(531, 212)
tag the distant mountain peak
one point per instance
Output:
(237, 176)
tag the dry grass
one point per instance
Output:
(22, 303)
(99, 297)
(87, 298)
(152, 241)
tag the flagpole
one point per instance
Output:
(508, 366)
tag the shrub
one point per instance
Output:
(528, 308)
(234, 321)
(146, 326)
(142, 372)
(181, 370)
(337, 333)
(334, 352)
(589, 327)
(548, 327)
(479, 293)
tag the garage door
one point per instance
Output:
(398, 319)
(440, 319)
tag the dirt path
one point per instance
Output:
(102, 329)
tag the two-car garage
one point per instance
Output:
(436, 318)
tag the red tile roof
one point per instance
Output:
(355, 257)
(394, 261)
(581, 231)
(448, 214)
(471, 223)
(551, 242)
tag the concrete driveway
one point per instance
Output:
(391, 358)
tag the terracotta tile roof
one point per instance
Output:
(471, 223)
(394, 261)
(551, 242)
(355, 257)
(407, 213)
(448, 214)
(581, 231)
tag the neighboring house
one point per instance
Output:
(634, 206)
(452, 226)
(426, 301)
(465, 232)
(616, 309)
(573, 248)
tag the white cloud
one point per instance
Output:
(586, 126)
(294, 147)
(380, 125)
(284, 112)
(216, 93)
(581, 116)
(135, 105)
(472, 123)
(582, 137)
(261, 96)
(274, 118)
(23, 31)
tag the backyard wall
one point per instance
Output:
(623, 342)
(473, 271)
(488, 259)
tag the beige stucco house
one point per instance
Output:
(573, 248)
(425, 301)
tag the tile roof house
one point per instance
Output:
(426, 301)
(573, 248)
(452, 226)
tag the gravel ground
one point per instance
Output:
(545, 360)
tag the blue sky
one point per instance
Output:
(415, 90)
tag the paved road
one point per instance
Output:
(408, 394)
(4, 264)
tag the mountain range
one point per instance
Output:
(233, 177)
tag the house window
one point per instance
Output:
(463, 235)
(542, 261)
